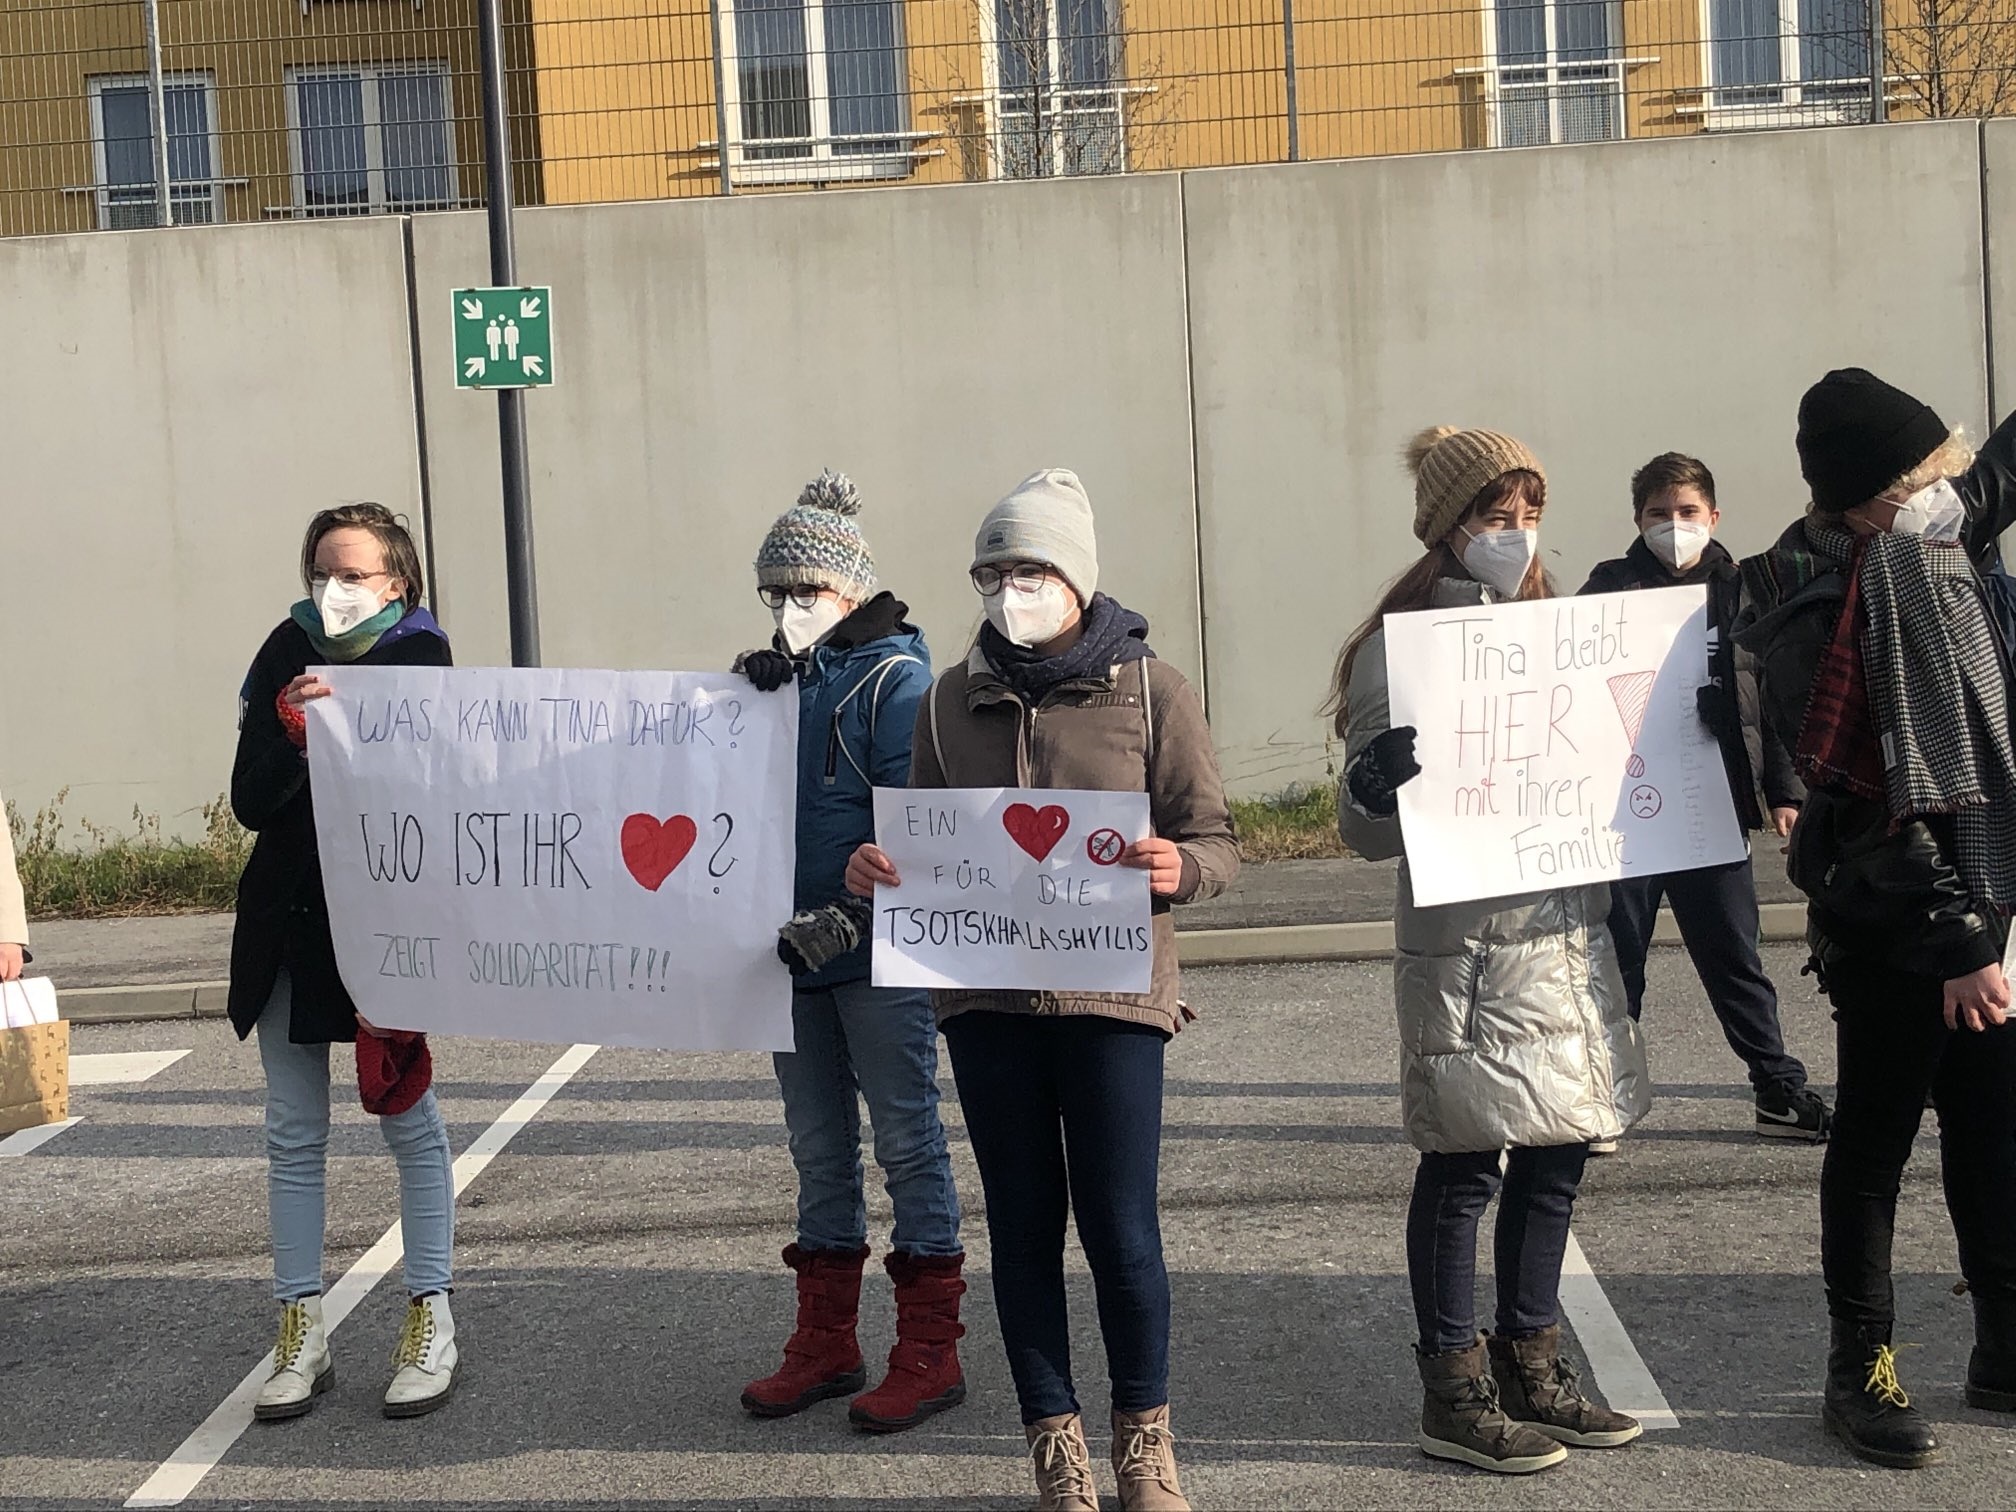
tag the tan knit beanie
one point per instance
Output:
(1451, 467)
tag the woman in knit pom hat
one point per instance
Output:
(1062, 1091)
(1496, 1003)
(860, 668)
(1886, 672)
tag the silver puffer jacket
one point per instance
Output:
(1513, 1028)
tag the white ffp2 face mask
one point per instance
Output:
(803, 629)
(1500, 559)
(1678, 543)
(1030, 619)
(343, 606)
(1934, 512)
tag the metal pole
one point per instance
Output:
(521, 587)
(157, 110)
(1288, 56)
(720, 94)
(1879, 104)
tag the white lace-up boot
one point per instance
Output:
(302, 1369)
(424, 1363)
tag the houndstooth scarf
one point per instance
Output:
(1937, 696)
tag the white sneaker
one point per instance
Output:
(1602, 1147)
(302, 1369)
(424, 1362)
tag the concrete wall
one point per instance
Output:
(1231, 359)
(1604, 304)
(174, 406)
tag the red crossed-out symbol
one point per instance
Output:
(1105, 847)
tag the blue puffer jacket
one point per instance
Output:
(857, 707)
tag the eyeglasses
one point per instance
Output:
(803, 597)
(1027, 577)
(348, 576)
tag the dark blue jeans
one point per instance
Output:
(1450, 1195)
(1716, 909)
(1065, 1115)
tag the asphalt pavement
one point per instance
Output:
(618, 1282)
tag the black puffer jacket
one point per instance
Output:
(1872, 890)
(1759, 765)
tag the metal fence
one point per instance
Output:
(256, 109)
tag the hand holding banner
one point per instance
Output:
(1559, 743)
(1012, 888)
(559, 855)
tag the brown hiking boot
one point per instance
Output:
(1537, 1386)
(1461, 1419)
(1144, 1458)
(1063, 1465)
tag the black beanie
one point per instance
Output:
(1858, 435)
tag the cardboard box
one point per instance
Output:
(34, 1076)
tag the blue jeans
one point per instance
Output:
(297, 1148)
(881, 1043)
(1065, 1115)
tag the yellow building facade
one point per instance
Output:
(314, 107)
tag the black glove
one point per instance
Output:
(1717, 712)
(768, 670)
(816, 936)
(1385, 766)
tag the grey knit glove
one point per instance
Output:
(819, 935)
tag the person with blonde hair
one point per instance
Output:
(1514, 1034)
(1886, 671)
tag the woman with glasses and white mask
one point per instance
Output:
(860, 668)
(1062, 1091)
(364, 585)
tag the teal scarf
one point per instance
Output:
(352, 643)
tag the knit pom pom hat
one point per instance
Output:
(816, 544)
(1451, 467)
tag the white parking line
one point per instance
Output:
(1613, 1359)
(119, 1067)
(23, 1141)
(183, 1471)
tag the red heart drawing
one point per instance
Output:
(1037, 831)
(653, 850)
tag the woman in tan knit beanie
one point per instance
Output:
(1513, 1029)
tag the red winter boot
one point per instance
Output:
(924, 1376)
(821, 1358)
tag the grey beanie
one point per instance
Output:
(1047, 519)
(816, 544)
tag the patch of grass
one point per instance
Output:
(112, 875)
(1297, 825)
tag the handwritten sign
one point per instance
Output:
(1559, 744)
(558, 855)
(1012, 888)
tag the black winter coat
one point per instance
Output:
(1760, 771)
(283, 918)
(1873, 890)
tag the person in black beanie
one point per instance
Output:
(1673, 507)
(1883, 670)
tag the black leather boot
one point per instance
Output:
(1991, 1369)
(1866, 1407)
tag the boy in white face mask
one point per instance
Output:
(1673, 506)
(860, 671)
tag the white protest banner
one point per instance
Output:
(557, 855)
(1012, 888)
(1559, 743)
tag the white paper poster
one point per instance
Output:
(1012, 888)
(540, 854)
(1559, 743)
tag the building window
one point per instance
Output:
(1784, 62)
(1557, 74)
(817, 90)
(372, 138)
(122, 128)
(1060, 98)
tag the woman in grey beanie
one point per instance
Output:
(1062, 1091)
